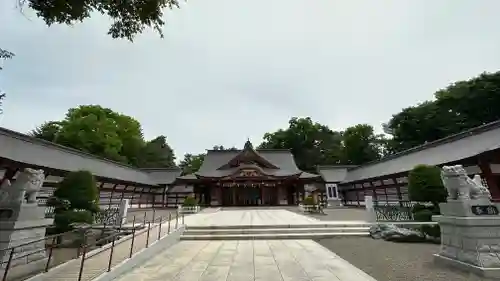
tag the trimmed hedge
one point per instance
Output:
(425, 185)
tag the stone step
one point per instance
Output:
(314, 230)
(275, 226)
(270, 236)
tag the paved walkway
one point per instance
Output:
(97, 264)
(247, 260)
(256, 217)
(248, 217)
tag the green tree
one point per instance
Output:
(79, 190)
(361, 145)
(94, 129)
(103, 132)
(129, 17)
(471, 103)
(191, 163)
(47, 131)
(310, 142)
(221, 147)
(461, 106)
(157, 154)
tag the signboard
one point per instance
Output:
(487, 210)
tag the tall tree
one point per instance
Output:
(129, 17)
(157, 154)
(310, 142)
(94, 129)
(103, 132)
(191, 163)
(461, 106)
(361, 145)
(47, 131)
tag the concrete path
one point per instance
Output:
(259, 260)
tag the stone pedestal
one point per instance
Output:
(470, 236)
(21, 224)
(122, 211)
(370, 210)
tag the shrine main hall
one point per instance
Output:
(249, 177)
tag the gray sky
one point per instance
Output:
(230, 69)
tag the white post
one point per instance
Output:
(123, 210)
(370, 211)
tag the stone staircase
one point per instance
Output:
(253, 232)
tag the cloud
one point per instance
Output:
(227, 70)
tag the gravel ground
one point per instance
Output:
(388, 261)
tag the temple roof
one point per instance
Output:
(272, 162)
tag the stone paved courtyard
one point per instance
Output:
(247, 260)
(243, 217)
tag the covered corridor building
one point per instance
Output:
(478, 150)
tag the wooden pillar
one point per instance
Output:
(484, 164)
(232, 189)
(357, 194)
(374, 191)
(163, 205)
(133, 196)
(112, 192)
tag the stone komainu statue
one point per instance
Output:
(460, 186)
(27, 185)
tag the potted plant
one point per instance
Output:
(190, 205)
(308, 204)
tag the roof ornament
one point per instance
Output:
(248, 144)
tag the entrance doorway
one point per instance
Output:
(241, 196)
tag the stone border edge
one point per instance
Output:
(142, 256)
(480, 271)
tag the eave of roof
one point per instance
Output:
(163, 175)
(25, 149)
(456, 147)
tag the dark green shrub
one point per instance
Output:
(425, 185)
(424, 215)
(189, 202)
(64, 220)
(80, 189)
(75, 200)
(431, 230)
(418, 207)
